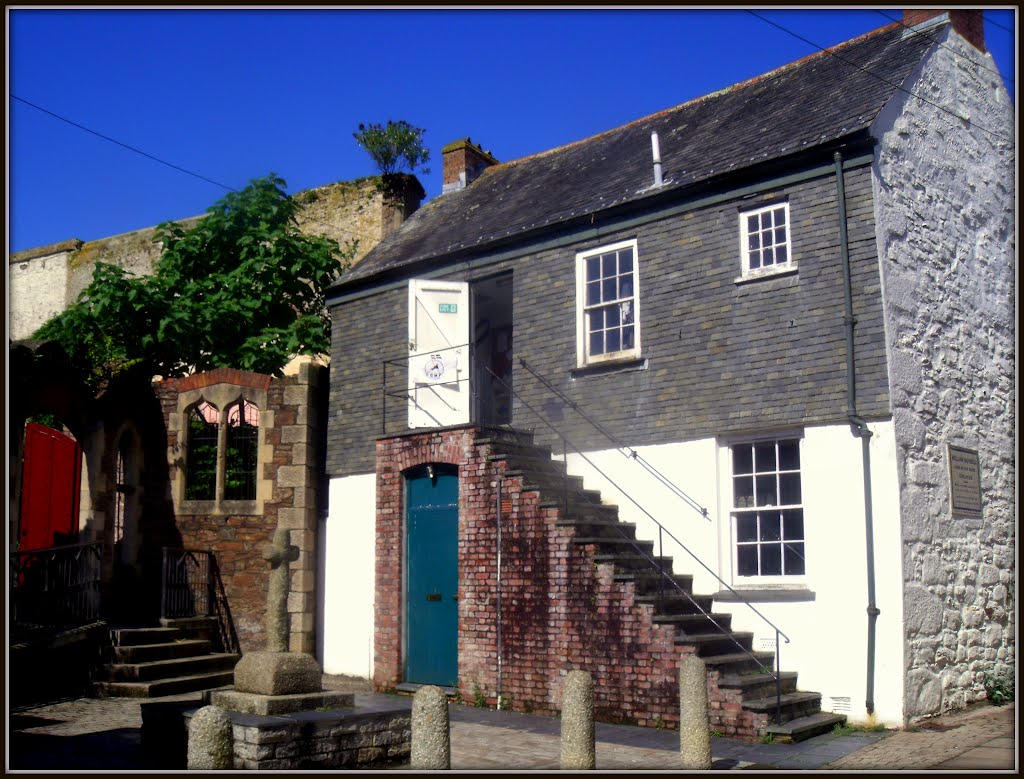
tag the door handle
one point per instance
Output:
(432, 596)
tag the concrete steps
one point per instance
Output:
(175, 658)
(728, 654)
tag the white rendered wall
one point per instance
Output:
(348, 577)
(829, 633)
(36, 291)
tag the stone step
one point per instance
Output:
(626, 561)
(145, 653)
(190, 623)
(598, 526)
(758, 685)
(716, 643)
(803, 728)
(741, 662)
(794, 704)
(695, 623)
(671, 602)
(136, 636)
(162, 687)
(164, 669)
(649, 582)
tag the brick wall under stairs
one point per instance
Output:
(576, 593)
(179, 656)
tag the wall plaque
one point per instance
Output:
(964, 481)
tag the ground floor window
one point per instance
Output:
(767, 513)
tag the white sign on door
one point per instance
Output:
(439, 388)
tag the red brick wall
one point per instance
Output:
(560, 611)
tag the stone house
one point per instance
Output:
(789, 304)
(213, 462)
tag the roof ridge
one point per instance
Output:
(692, 101)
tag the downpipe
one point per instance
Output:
(860, 429)
(498, 560)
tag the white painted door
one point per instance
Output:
(439, 388)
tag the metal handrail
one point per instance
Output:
(566, 443)
(56, 587)
(184, 594)
(626, 450)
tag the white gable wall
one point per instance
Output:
(944, 188)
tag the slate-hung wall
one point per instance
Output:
(722, 357)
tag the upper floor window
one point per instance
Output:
(768, 514)
(764, 239)
(608, 316)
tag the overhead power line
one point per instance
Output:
(875, 75)
(943, 45)
(994, 23)
(164, 162)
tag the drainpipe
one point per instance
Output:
(860, 429)
(498, 556)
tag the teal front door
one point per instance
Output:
(432, 577)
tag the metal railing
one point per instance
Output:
(191, 586)
(665, 578)
(57, 587)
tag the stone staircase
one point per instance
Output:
(177, 657)
(742, 687)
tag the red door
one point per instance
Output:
(51, 480)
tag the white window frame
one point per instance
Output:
(583, 356)
(778, 267)
(732, 510)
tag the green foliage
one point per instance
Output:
(846, 729)
(768, 738)
(999, 687)
(479, 697)
(716, 734)
(47, 420)
(394, 146)
(243, 288)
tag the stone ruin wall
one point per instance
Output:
(945, 197)
(45, 280)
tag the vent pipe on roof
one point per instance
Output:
(657, 159)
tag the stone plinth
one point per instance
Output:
(269, 705)
(277, 673)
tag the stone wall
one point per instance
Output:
(290, 463)
(46, 280)
(944, 183)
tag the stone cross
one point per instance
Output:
(278, 554)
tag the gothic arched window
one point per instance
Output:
(201, 474)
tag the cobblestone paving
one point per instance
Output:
(981, 738)
(103, 734)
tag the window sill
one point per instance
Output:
(610, 366)
(766, 594)
(223, 508)
(789, 270)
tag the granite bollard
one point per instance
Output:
(577, 751)
(694, 731)
(210, 741)
(431, 739)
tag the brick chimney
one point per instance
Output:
(968, 23)
(464, 161)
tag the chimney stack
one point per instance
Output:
(969, 24)
(463, 162)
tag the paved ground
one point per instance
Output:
(99, 734)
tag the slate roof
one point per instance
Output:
(816, 100)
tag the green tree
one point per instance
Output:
(243, 288)
(394, 146)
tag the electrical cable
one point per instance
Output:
(165, 162)
(875, 75)
(942, 45)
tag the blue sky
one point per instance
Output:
(231, 95)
